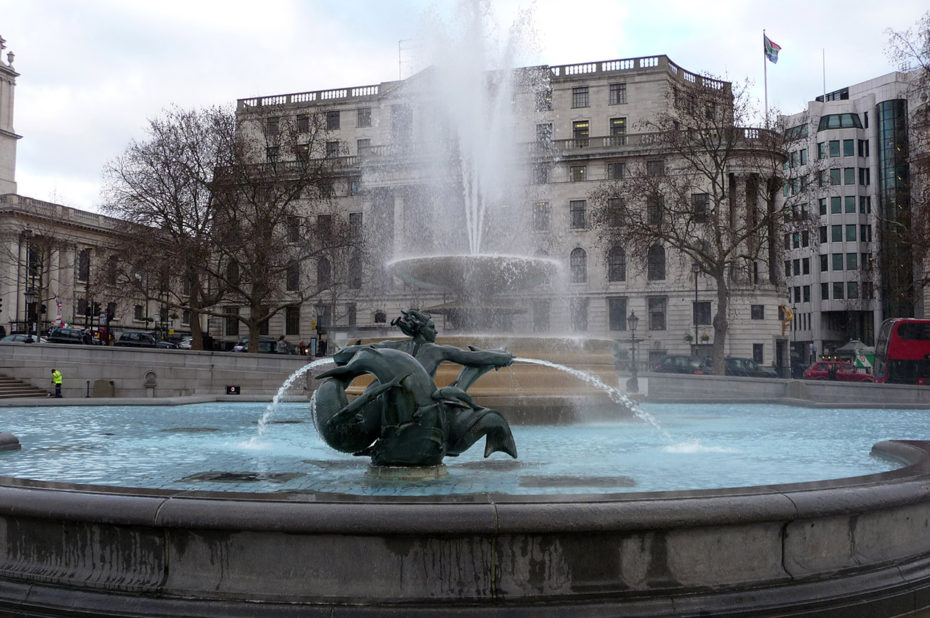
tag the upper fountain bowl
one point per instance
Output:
(481, 274)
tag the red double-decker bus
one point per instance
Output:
(902, 354)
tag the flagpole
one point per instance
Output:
(765, 80)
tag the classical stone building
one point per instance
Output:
(850, 158)
(571, 129)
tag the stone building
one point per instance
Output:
(569, 129)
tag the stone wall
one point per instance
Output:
(96, 371)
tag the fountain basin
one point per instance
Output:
(852, 545)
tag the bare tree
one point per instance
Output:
(905, 231)
(275, 215)
(703, 188)
(161, 188)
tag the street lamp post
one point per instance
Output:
(632, 385)
(696, 269)
(30, 296)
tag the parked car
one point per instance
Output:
(23, 338)
(185, 343)
(137, 339)
(167, 345)
(266, 345)
(747, 368)
(678, 363)
(843, 371)
(69, 335)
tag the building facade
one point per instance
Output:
(575, 127)
(846, 266)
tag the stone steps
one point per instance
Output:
(11, 388)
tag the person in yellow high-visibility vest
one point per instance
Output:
(56, 380)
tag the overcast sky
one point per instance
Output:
(92, 72)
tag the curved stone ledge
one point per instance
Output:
(860, 543)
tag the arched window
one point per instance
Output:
(655, 263)
(616, 264)
(323, 273)
(579, 265)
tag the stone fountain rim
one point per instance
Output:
(485, 513)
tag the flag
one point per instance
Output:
(771, 49)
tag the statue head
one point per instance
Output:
(415, 323)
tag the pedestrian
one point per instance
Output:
(281, 347)
(56, 380)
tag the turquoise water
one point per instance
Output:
(218, 447)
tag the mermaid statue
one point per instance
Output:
(402, 418)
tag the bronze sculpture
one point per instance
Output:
(402, 418)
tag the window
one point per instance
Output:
(840, 121)
(836, 233)
(787, 268)
(185, 316)
(851, 232)
(541, 173)
(577, 213)
(324, 316)
(578, 173)
(805, 238)
(863, 148)
(616, 264)
(351, 314)
(852, 289)
(324, 273)
(292, 277)
(849, 204)
(271, 126)
(806, 293)
(655, 168)
(700, 203)
(835, 176)
(866, 260)
(578, 262)
(824, 291)
(657, 308)
(332, 148)
(616, 212)
(324, 228)
(821, 150)
(836, 205)
(354, 184)
(303, 123)
(865, 232)
(822, 203)
(540, 316)
(824, 262)
(332, 120)
(838, 290)
(796, 266)
(865, 204)
(849, 148)
(757, 352)
(401, 123)
(806, 266)
(616, 170)
(617, 127)
(541, 216)
(362, 146)
(849, 175)
(580, 96)
(865, 178)
(852, 261)
(579, 312)
(837, 261)
(138, 312)
(823, 233)
(654, 209)
(580, 132)
(617, 94)
(292, 320)
(835, 148)
(544, 133)
(616, 313)
(363, 117)
(804, 156)
(655, 263)
(544, 101)
(83, 270)
(231, 320)
(700, 312)
(355, 270)
(293, 229)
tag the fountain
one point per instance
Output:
(86, 535)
